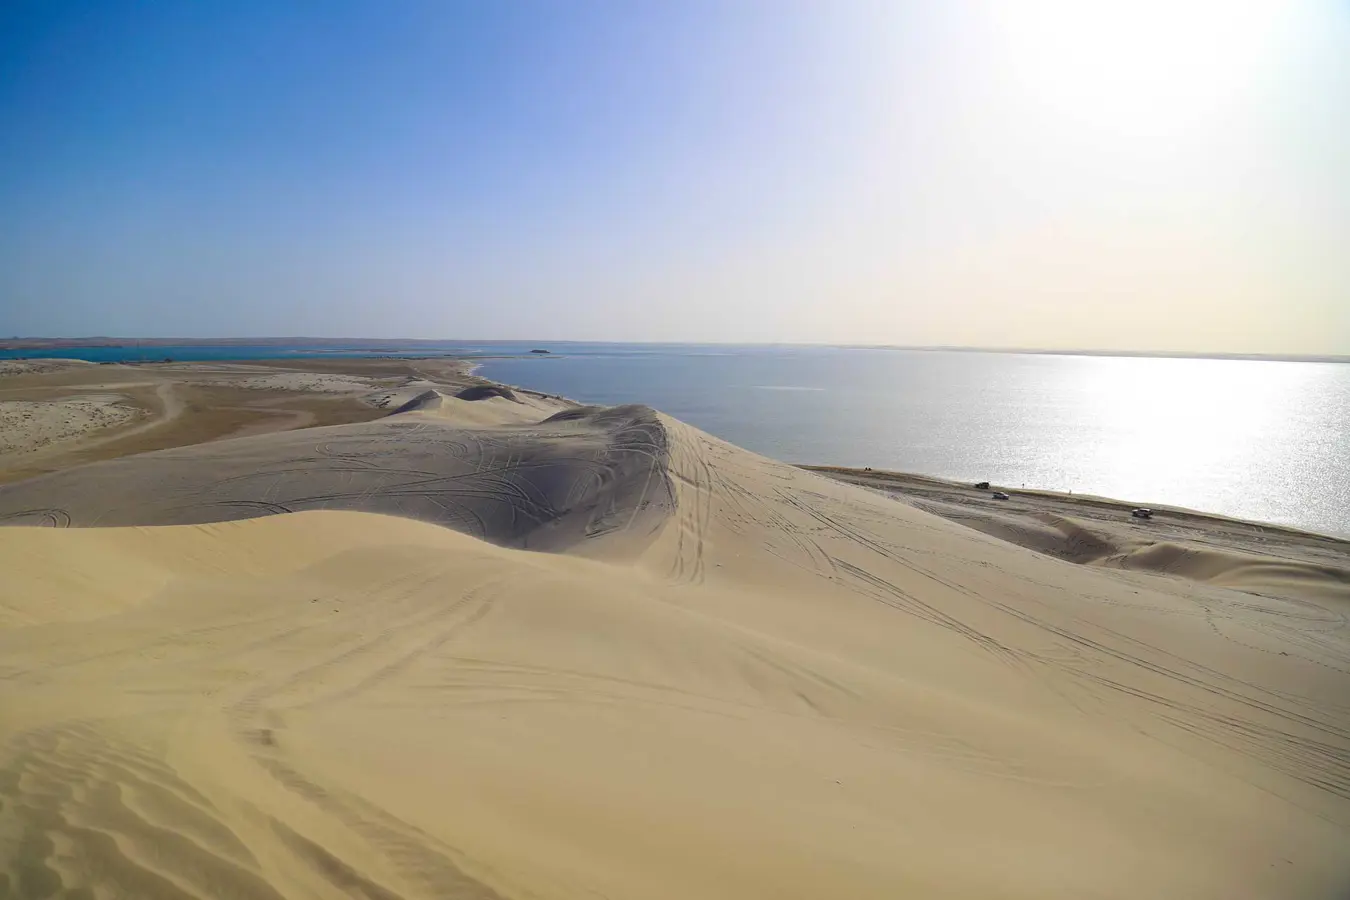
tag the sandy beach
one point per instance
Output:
(381, 629)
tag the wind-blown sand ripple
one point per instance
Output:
(779, 686)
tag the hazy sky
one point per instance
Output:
(1149, 174)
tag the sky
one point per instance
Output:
(1143, 175)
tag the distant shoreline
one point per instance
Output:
(367, 345)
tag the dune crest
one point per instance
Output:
(594, 476)
(738, 680)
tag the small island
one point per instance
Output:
(545, 352)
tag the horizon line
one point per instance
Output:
(96, 341)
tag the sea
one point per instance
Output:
(1254, 439)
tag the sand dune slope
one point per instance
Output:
(1091, 543)
(787, 688)
(1254, 557)
(548, 485)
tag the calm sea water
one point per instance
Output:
(1254, 439)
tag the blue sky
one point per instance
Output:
(761, 170)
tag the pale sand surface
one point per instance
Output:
(29, 425)
(172, 405)
(730, 678)
(40, 366)
(1255, 557)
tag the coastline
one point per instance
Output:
(366, 345)
(290, 405)
(814, 463)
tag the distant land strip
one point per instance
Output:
(47, 343)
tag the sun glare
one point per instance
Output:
(1138, 68)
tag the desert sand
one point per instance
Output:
(27, 425)
(501, 646)
(1255, 557)
(59, 413)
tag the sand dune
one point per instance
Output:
(548, 485)
(480, 405)
(1247, 556)
(1083, 542)
(740, 680)
(164, 405)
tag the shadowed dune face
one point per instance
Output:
(424, 402)
(484, 391)
(580, 412)
(592, 475)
